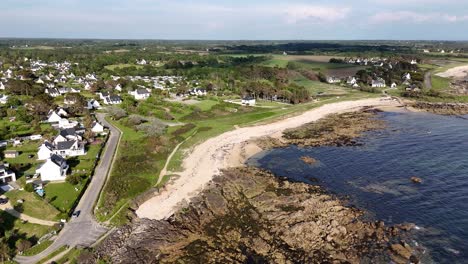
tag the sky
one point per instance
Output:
(236, 20)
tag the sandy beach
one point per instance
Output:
(231, 150)
(457, 72)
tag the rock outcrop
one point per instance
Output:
(248, 215)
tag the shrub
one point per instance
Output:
(73, 179)
(29, 187)
(184, 129)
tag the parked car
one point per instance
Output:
(76, 214)
(3, 200)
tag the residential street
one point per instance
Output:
(84, 230)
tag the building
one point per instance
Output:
(140, 94)
(332, 79)
(351, 80)
(54, 169)
(45, 151)
(93, 104)
(6, 175)
(248, 100)
(3, 99)
(11, 154)
(113, 99)
(69, 149)
(97, 128)
(379, 83)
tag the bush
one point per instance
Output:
(184, 129)
(116, 112)
(29, 187)
(153, 128)
(73, 179)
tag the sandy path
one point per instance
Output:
(209, 157)
(9, 209)
(457, 72)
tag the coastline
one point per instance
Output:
(232, 149)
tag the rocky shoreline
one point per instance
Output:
(442, 108)
(246, 215)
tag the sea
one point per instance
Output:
(375, 176)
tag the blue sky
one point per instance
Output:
(241, 19)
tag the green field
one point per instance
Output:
(316, 87)
(11, 223)
(122, 65)
(62, 195)
(33, 205)
(206, 105)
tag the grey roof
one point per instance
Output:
(68, 132)
(142, 91)
(65, 145)
(58, 160)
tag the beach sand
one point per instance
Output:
(231, 149)
(457, 72)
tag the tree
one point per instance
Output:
(116, 112)
(23, 115)
(5, 252)
(154, 128)
(29, 187)
(73, 179)
(23, 244)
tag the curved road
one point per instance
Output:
(85, 230)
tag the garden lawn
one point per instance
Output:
(206, 105)
(10, 223)
(62, 195)
(33, 205)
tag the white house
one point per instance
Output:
(140, 94)
(70, 149)
(379, 83)
(65, 123)
(407, 76)
(351, 80)
(97, 128)
(54, 169)
(331, 79)
(2, 86)
(54, 92)
(87, 86)
(3, 99)
(112, 100)
(6, 175)
(248, 100)
(68, 134)
(53, 117)
(394, 85)
(118, 87)
(93, 104)
(414, 62)
(45, 151)
(142, 62)
(198, 92)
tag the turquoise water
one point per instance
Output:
(376, 177)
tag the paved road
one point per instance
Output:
(428, 80)
(84, 230)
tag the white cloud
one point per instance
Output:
(415, 17)
(309, 13)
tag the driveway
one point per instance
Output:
(84, 230)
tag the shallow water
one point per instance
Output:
(376, 177)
